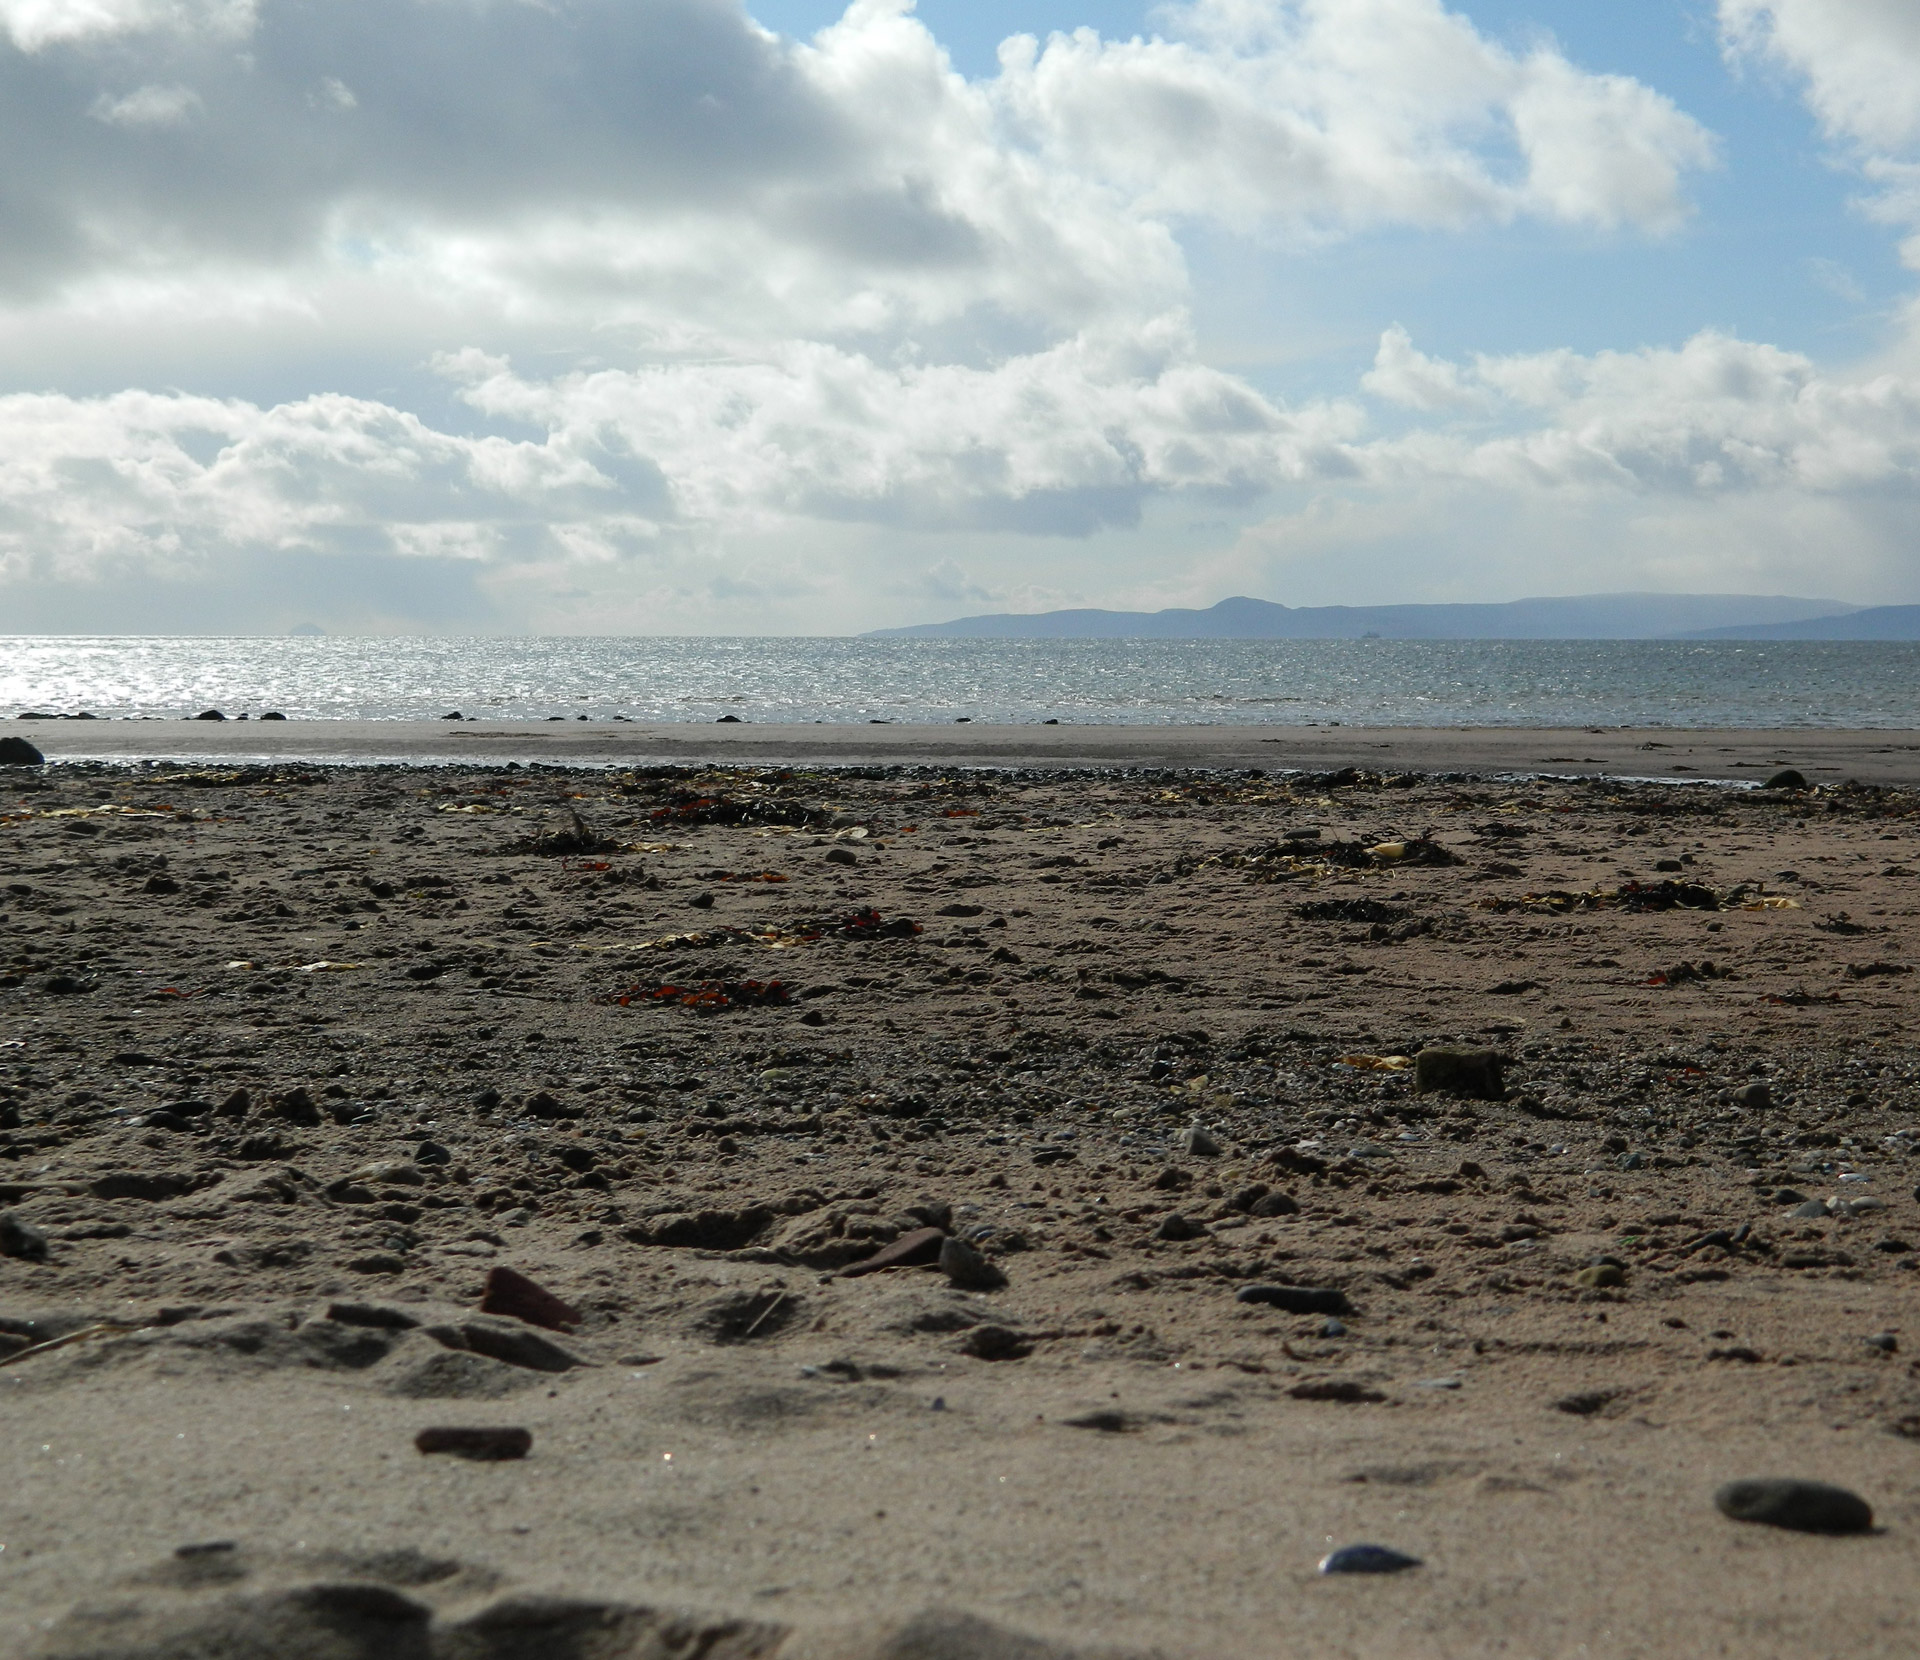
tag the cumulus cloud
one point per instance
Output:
(1341, 114)
(697, 288)
(1860, 60)
(1714, 418)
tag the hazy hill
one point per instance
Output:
(1583, 617)
(1876, 622)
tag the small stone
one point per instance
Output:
(967, 1268)
(1805, 1506)
(1333, 1328)
(1600, 1276)
(1296, 1299)
(1756, 1097)
(482, 1445)
(1787, 778)
(21, 1240)
(391, 1172)
(917, 1249)
(995, 1343)
(17, 752)
(1631, 1161)
(1176, 1229)
(701, 901)
(1474, 1073)
(519, 1298)
(295, 1106)
(1198, 1144)
(1367, 1559)
(431, 1152)
(1811, 1210)
(841, 856)
(378, 1262)
(1275, 1204)
(1885, 1342)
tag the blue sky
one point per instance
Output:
(617, 315)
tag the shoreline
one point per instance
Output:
(1825, 755)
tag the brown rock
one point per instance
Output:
(518, 1297)
(481, 1445)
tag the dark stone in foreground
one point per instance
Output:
(17, 752)
(1473, 1073)
(21, 1240)
(1367, 1559)
(1296, 1299)
(1805, 1506)
(482, 1445)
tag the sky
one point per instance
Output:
(784, 317)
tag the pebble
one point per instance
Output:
(1296, 1299)
(1756, 1097)
(515, 1295)
(1811, 1209)
(1806, 1506)
(1787, 778)
(967, 1268)
(1199, 1144)
(1367, 1559)
(1333, 1328)
(1885, 1342)
(914, 1249)
(21, 1240)
(488, 1445)
(1177, 1229)
(841, 856)
(1474, 1073)
(1600, 1276)
(17, 752)
(995, 1343)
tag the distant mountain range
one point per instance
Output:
(1582, 617)
(1876, 622)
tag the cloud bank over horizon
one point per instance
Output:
(607, 317)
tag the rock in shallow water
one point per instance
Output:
(1805, 1506)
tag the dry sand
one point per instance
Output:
(292, 1049)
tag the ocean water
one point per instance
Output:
(1139, 682)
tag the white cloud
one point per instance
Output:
(1405, 376)
(1334, 115)
(148, 106)
(35, 24)
(1716, 418)
(1860, 60)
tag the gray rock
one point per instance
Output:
(21, 1240)
(1805, 1506)
(1199, 1144)
(1787, 779)
(967, 1268)
(1811, 1210)
(841, 856)
(17, 752)
(1755, 1097)
(1177, 1228)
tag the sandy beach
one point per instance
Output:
(991, 1212)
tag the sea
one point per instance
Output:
(1804, 683)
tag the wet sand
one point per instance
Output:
(292, 1056)
(1865, 756)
